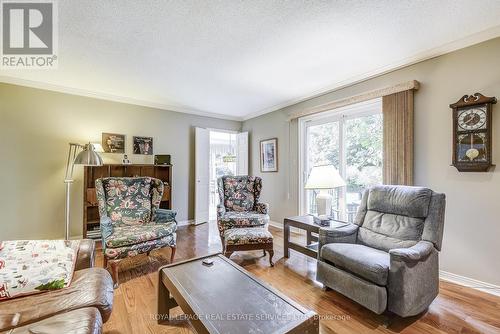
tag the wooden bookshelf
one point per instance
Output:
(92, 173)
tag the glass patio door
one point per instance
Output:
(351, 140)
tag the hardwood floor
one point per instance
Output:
(456, 310)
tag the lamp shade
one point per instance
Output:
(88, 157)
(324, 177)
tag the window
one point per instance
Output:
(350, 139)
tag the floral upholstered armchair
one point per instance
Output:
(131, 220)
(239, 203)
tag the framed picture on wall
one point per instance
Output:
(113, 143)
(269, 155)
(143, 145)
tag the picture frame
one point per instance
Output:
(143, 145)
(113, 143)
(269, 155)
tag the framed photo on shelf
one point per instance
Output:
(113, 143)
(143, 145)
(269, 155)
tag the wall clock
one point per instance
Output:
(472, 133)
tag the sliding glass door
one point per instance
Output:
(350, 139)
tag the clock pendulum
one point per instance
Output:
(472, 153)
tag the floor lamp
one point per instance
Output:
(78, 155)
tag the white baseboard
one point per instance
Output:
(280, 226)
(470, 283)
(185, 222)
(276, 224)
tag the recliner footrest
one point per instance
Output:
(370, 295)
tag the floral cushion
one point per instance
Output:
(247, 236)
(231, 219)
(128, 200)
(133, 250)
(131, 235)
(239, 193)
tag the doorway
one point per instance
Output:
(218, 153)
(223, 149)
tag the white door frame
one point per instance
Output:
(202, 176)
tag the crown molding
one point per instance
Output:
(429, 54)
(110, 97)
(462, 43)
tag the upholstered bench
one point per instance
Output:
(251, 238)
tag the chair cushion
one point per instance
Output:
(240, 192)
(128, 200)
(386, 231)
(248, 236)
(400, 200)
(231, 219)
(369, 263)
(133, 250)
(136, 234)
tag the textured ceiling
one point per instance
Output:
(242, 58)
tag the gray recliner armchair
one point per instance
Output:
(387, 259)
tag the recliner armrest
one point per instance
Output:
(86, 253)
(418, 252)
(165, 216)
(341, 234)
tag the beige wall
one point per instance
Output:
(35, 129)
(472, 229)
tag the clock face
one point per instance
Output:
(471, 147)
(472, 119)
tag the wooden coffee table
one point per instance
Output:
(305, 223)
(225, 298)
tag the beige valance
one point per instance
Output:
(404, 86)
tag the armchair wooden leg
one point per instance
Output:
(172, 254)
(105, 262)
(271, 254)
(114, 272)
(264, 251)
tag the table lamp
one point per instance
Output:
(78, 155)
(323, 178)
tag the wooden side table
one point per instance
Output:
(305, 223)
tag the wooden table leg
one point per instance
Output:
(165, 302)
(287, 239)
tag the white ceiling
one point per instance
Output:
(238, 59)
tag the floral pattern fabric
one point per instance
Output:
(128, 200)
(239, 193)
(133, 250)
(131, 235)
(233, 219)
(33, 266)
(248, 236)
(239, 203)
(131, 220)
